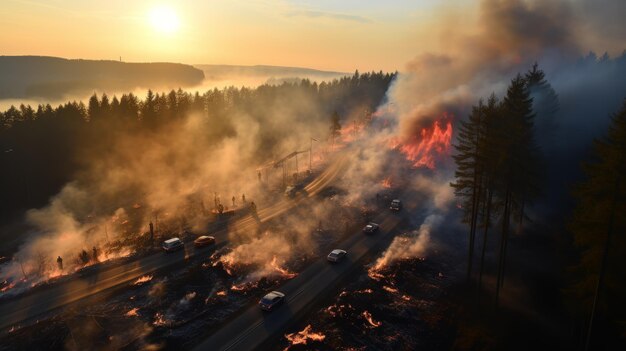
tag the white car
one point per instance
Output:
(371, 227)
(173, 244)
(336, 255)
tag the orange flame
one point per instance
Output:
(143, 279)
(159, 319)
(373, 323)
(390, 289)
(132, 312)
(303, 337)
(423, 150)
(386, 183)
(7, 287)
(282, 271)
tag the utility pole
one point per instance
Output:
(106, 234)
(311, 153)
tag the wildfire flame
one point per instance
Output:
(373, 323)
(282, 271)
(424, 149)
(159, 320)
(386, 183)
(303, 337)
(390, 289)
(132, 312)
(8, 286)
(143, 279)
(222, 293)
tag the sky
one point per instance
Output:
(341, 35)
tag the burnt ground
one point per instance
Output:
(427, 304)
(406, 306)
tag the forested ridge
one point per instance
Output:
(55, 77)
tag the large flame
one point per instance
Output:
(424, 149)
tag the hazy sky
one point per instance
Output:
(326, 34)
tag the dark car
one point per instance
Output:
(396, 205)
(336, 255)
(271, 300)
(173, 244)
(204, 240)
(371, 227)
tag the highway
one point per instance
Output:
(253, 327)
(21, 309)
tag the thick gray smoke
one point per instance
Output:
(507, 38)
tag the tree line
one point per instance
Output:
(42, 147)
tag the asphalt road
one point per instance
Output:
(254, 327)
(99, 279)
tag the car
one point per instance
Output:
(271, 300)
(336, 255)
(204, 240)
(371, 227)
(173, 244)
(295, 190)
(396, 205)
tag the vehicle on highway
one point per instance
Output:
(271, 300)
(173, 244)
(396, 205)
(336, 255)
(204, 240)
(371, 227)
(295, 190)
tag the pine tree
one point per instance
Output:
(469, 174)
(598, 225)
(518, 178)
(93, 109)
(545, 105)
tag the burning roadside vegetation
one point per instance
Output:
(403, 305)
(172, 310)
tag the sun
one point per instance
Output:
(164, 19)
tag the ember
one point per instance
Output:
(386, 183)
(132, 312)
(159, 320)
(373, 323)
(142, 280)
(303, 337)
(390, 289)
(7, 286)
(222, 293)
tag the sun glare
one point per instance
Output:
(164, 19)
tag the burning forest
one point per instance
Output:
(441, 205)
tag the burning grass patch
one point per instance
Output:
(403, 307)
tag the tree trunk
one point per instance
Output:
(484, 248)
(503, 239)
(520, 224)
(603, 265)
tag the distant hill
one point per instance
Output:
(264, 74)
(54, 78)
